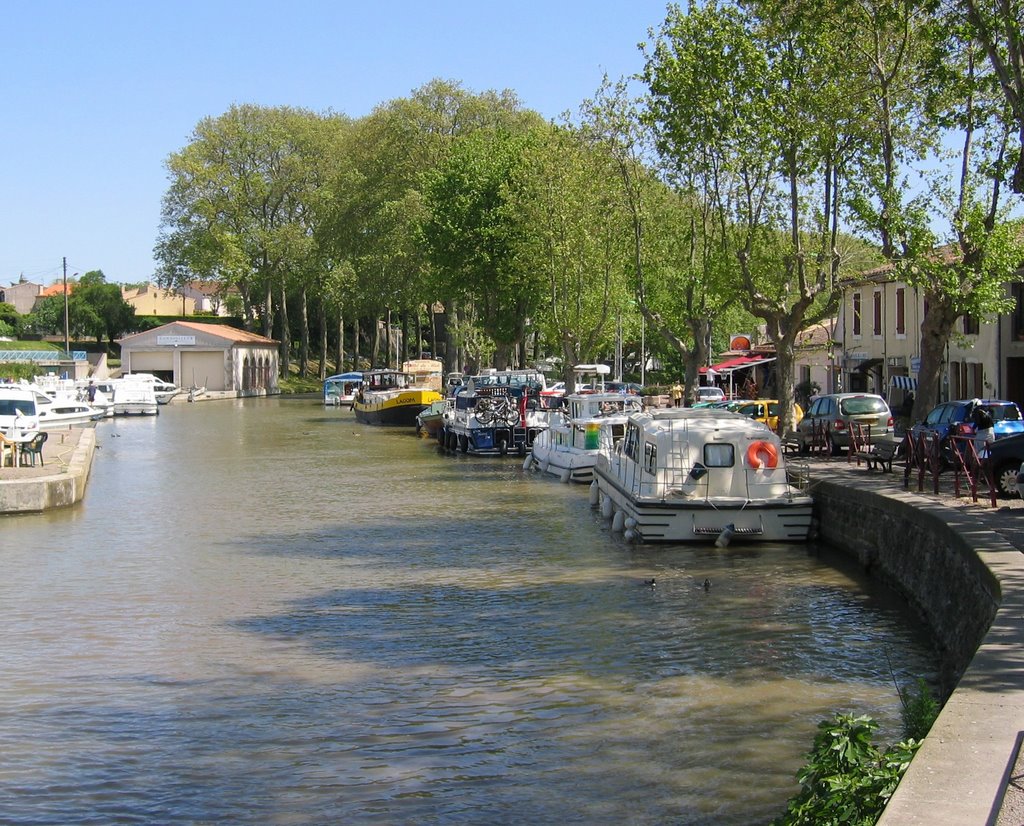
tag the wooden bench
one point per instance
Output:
(880, 455)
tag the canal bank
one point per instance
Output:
(959, 564)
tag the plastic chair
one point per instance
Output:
(7, 448)
(30, 450)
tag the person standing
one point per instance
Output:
(677, 394)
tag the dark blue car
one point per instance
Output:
(953, 419)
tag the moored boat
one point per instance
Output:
(588, 421)
(394, 397)
(496, 413)
(431, 418)
(340, 390)
(693, 475)
(588, 424)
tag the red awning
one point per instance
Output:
(737, 363)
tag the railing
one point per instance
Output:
(47, 356)
(971, 470)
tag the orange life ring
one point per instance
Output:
(762, 454)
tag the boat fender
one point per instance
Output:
(762, 454)
(528, 461)
(544, 466)
(618, 521)
(630, 522)
(595, 494)
(630, 536)
(725, 536)
(565, 475)
(606, 508)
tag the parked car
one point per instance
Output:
(953, 418)
(709, 393)
(767, 411)
(838, 413)
(630, 388)
(1006, 456)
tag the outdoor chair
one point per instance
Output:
(30, 450)
(7, 448)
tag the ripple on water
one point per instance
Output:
(265, 613)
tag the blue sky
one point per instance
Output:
(97, 94)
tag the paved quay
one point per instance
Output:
(969, 770)
(59, 480)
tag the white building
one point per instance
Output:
(215, 356)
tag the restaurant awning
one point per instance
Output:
(904, 382)
(737, 363)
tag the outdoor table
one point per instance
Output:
(16, 437)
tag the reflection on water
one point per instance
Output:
(264, 612)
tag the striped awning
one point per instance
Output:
(904, 382)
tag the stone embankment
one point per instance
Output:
(959, 565)
(58, 480)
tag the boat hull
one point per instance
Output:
(786, 519)
(565, 464)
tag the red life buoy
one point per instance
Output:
(762, 454)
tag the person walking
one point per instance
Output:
(677, 395)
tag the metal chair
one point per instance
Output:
(30, 450)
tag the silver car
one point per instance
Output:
(834, 415)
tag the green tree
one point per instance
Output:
(997, 27)
(754, 110)
(470, 233)
(237, 211)
(98, 309)
(571, 229)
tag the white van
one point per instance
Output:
(18, 408)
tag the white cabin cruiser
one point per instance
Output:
(587, 423)
(693, 475)
(496, 412)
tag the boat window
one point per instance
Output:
(719, 455)
(650, 457)
(631, 443)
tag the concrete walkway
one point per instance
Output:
(969, 770)
(59, 480)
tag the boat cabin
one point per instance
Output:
(341, 389)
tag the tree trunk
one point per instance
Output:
(286, 335)
(323, 341)
(339, 348)
(936, 327)
(303, 333)
(356, 349)
(375, 348)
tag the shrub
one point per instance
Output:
(847, 779)
(919, 711)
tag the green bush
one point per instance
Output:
(847, 780)
(919, 711)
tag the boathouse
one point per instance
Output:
(215, 356)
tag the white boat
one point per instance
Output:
(496, 413)
(62, 407)
(134, 397)
(340, 390)
(163, 390)
(587, 423)
(692, 475)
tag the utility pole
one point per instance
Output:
(67, 343)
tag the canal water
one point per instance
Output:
(266, 613)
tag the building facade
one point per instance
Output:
(879, 332)
(214, 356)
